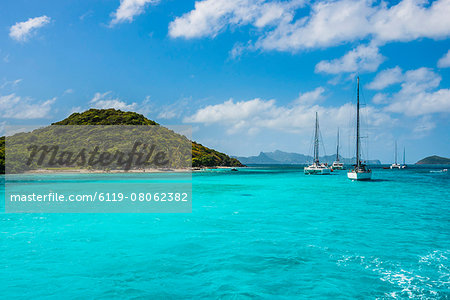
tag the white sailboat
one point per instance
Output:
(337, 165)
(359, 171)
(395, 165)
(404, 166)
(317, 168)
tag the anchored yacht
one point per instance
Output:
(359, 171)
(395, 165)
(337, 165)
(317, 168)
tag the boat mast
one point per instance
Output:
(337, 147)
(395, 152)
(403, 155)
(316, 141)
(358, 163)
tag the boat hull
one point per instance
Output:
(360, 176)
(337, 167)
(317, 171)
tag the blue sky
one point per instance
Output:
(248, 75)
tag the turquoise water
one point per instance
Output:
(261, 232)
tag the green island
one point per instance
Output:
(201, 156)
(434, 160)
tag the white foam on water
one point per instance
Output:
(414, 283)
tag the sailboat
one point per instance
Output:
(317, 168)
(337, 165)
(359, 171)
(404, 166)
(395, 165)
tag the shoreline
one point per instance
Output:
(133, 171)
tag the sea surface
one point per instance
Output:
(261, 232)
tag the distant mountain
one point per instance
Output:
(434, 160)
(286, 158)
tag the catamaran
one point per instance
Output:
(404, 166)
(359, 171)
(337, 165)
(317, 168)
(395, 165)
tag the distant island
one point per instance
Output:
(201, 156)
(286, 158)
(434, 160)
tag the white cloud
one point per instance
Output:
(16, 107)
(328, 23)
(75, 109)
(239, 48)
(418, 94)
(365, 58)
(68, 91)
(21, 31)
(380, 98)
(386, 78)
(128, 9)
(10, 84)
(105, 101)
(444, 62)
(311, 97)
(212, 16)
(257, 114)
(333, 22)
(174, 110)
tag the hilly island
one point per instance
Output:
(434, 160)
(201, 156)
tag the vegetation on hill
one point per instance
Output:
(201, 155)
(106, 117)
(434, 160)
(2, 155)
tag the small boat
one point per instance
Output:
(234, 169)
(395, 165)
(317, 168)
(404, 166)
(337, 165)
(359, 171)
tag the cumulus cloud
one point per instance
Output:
(380, 98)
(21, 31)
(327, 23)
(386, 78)
(311, 97)
(105, 101)
(256, 114)
(16, 107)
(128, 9)
(365, 58)
(210, 17)
(419, 94)
(444, 62)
